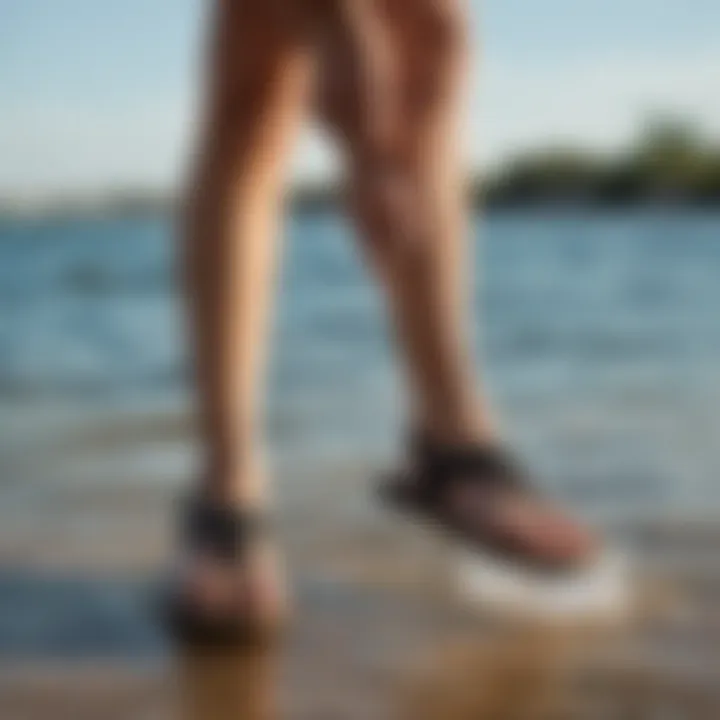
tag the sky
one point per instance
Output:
(97, 95)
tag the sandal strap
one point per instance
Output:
(219, 531)
(482, 464)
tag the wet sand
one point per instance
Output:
(376, 631)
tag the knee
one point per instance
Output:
(384, 204)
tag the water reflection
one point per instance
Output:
(228, 685)
(503, 674)
(519, 673)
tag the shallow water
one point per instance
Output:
(599, 341)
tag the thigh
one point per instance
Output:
(256, 66)
(358, 72)
(390, 74)
(432, 39)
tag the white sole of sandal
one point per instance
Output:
(602, 592)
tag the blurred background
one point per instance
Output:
(594, 145)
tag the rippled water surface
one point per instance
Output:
(598, 337)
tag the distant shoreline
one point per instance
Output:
(312, 200)
(556, 205)
(669, 165)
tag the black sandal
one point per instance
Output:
(223, 534)
(421, 491)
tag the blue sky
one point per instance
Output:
(95, 95)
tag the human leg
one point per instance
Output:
(256, 92)
(407, 190)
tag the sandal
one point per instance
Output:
(223, 536)
(503, 515)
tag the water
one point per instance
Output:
(597, 334)
(598, 341)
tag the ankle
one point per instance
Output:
(473, 430)
(240, 498)
(246, 489)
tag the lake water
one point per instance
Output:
(598, 337)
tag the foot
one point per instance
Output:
(230, 585)
(479, 495)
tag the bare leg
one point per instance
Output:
(425, 272)
(399, 132)
(256, 90)
(409, 203)
(256, 93)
